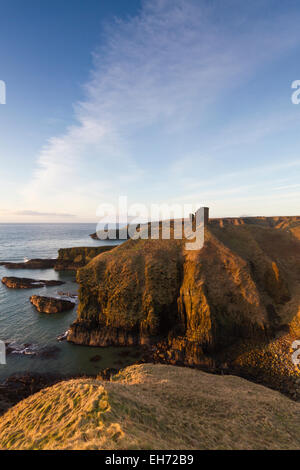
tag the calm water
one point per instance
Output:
(19, 320)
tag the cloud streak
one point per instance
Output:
(42, 214)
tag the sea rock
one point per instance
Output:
(25, 349)
(63, 336)
(51, 304)
(28, 349)
(26, 283)
(31, 264)
(71, 259)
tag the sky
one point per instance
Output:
(160, 101)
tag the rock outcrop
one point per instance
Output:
(69, 259)
(207, 307)
(51, 304)
(26, 283)
(77, 257)
(31, 264)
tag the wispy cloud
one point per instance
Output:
(42, 214)
(155, 78)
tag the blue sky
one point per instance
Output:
(164, 101)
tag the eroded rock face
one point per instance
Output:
(51, 304)
(129, 295)
(71, 259)
(26, 283)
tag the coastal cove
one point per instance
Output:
(22, 324)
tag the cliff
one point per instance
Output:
(153, 407)
(201, 308)
(75, 258)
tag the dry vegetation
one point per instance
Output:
(153, 407)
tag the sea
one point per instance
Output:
(21, 324)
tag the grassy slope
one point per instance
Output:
(153, 407)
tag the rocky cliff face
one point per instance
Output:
(71, 259)
(129, 295)
(242, 287)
